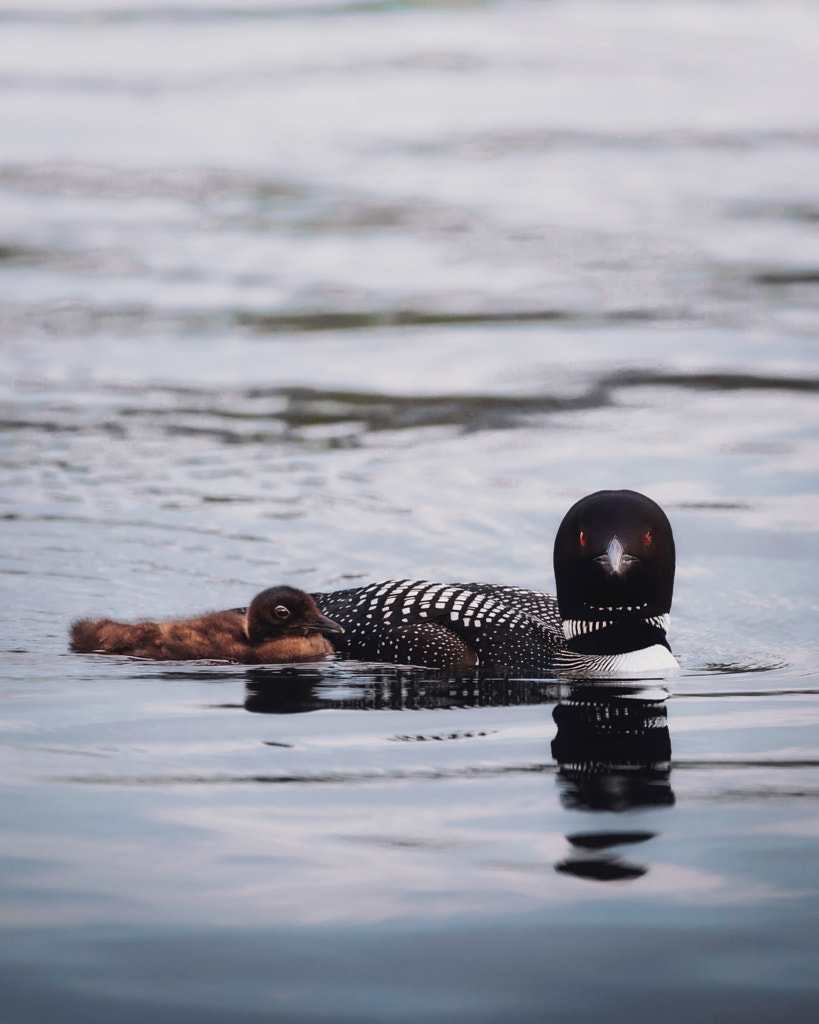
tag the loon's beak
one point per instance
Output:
(323, 625)
(615, 562)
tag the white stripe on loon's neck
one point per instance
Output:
(580, 627)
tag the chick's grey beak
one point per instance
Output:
(324, 625)
(615, 562)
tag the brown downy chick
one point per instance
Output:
(282, 624)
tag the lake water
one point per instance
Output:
(330, 292)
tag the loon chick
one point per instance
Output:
(614, 566)
(281, 624)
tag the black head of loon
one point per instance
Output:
(614, 562)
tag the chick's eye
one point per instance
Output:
(647, 538)
(282, 612)
(583, 541)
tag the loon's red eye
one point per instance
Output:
(647, 538)
(582, 539)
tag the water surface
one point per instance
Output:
(327, 293)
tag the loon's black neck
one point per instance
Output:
(617, 638)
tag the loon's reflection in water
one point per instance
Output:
(614, 754)
(297, 689)
(612, 746)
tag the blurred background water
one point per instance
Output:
(327, 292)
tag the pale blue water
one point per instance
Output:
(330, 292)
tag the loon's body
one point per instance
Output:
(614, 566)
(281, 624)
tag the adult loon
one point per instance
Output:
(281, 624)
(614, 563)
